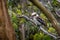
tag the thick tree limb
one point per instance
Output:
(48, 14)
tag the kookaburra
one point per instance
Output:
(37, 19)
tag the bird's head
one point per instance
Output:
(34, 14)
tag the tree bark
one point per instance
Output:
(48, 14)
(2, 33)
(6, 29)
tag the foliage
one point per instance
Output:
(51, 30)
(55, 3)
(41, 36)
(16, 8)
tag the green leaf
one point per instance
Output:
(19, 12)
(51, 30)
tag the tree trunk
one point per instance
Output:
(6, 29)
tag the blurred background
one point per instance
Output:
(25, 30)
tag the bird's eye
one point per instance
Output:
(34, 15)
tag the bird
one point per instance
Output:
(37, 19)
